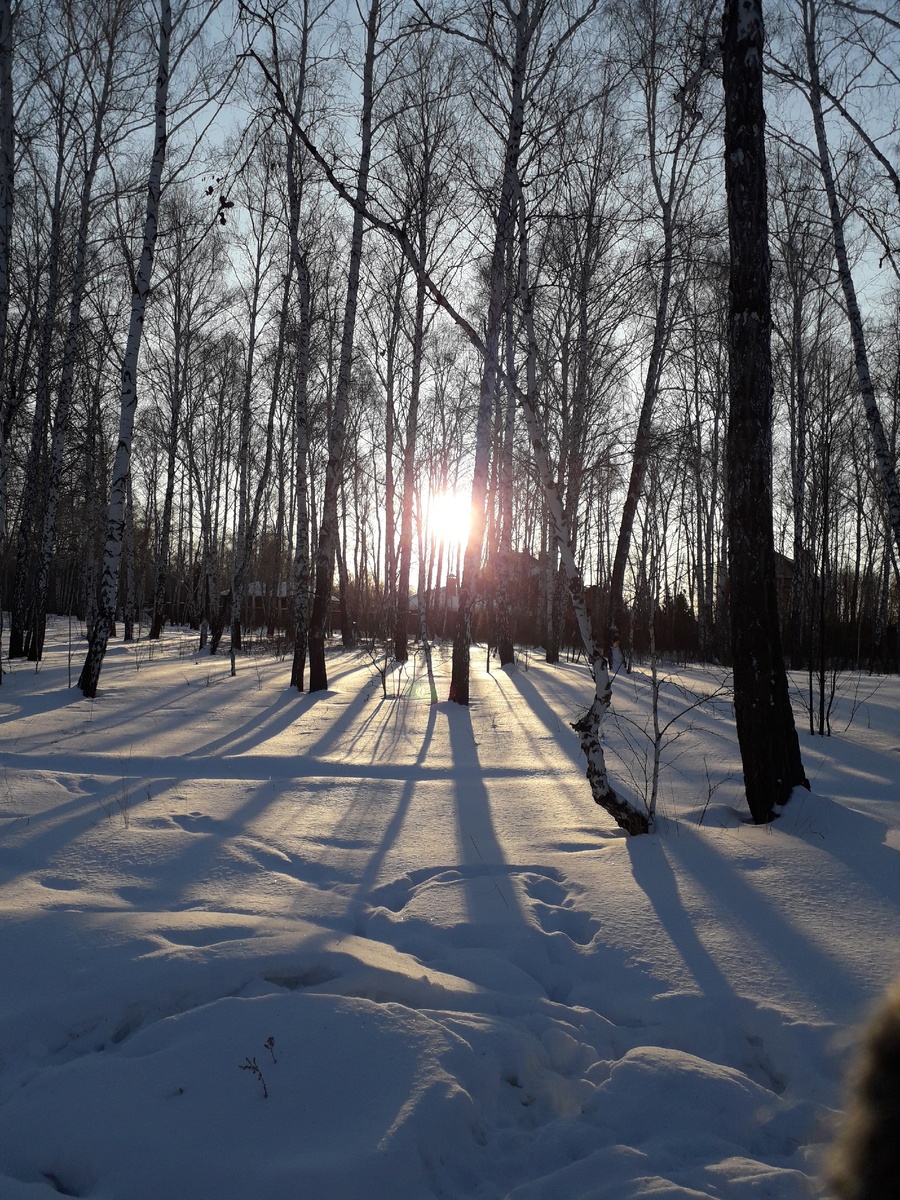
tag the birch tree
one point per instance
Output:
(884, 454)
(191, 298)
(106, 65)
(7, 180)
(191, 28)
(425, 130)
(770, 751)
(671, 51)
(64, 90)
(115, 524)
(328, 534)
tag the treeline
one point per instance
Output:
(367, 246)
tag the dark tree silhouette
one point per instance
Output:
(770, 751)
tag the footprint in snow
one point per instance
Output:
(195, 822)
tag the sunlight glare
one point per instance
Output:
(449, 516)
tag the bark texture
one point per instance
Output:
(7, 175)
(770, 751)
(328, 527)
(884, 457)
(115, 522)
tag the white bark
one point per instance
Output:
(884, 457)
(588, 728)
(115, 522)
(328, 528)
(67, 375)
(7, 176)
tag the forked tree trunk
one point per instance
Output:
(770, 751)
(115, 521)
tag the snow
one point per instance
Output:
(476, 985)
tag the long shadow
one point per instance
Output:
(165, 711)
(490, 897)
(339, 725)
(185, 769)
(857, 836)
(261, 727)
(653, 873)
(816, 975)
(39, 705)
(69, 819)
(207, 842)
(545, 714)
(373, 867)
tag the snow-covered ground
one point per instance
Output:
(410, 926)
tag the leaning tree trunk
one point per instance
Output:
(626, 815)
(115, 521)
(770, 751)
(619, 616)
(884, 457)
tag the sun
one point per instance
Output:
(449, 514)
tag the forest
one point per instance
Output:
(410, 320)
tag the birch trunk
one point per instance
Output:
(40, 418)
(67, 374)
(238, 572)
(504, 232)
(884, 458)
(90, 672)
(179, 357)
(401, 652)
(770, 751)
(7, 177)
(128, 608)
(390, 490)
(626, 815)
(301, 434)
(251, 512)
(328, 527)
(503, 637)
